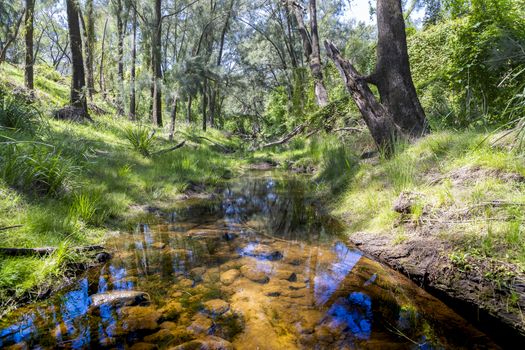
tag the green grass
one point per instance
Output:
(67, 184)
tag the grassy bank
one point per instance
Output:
(64, 184)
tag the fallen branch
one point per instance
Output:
(44, 251)
(9, 227)
(169, 149)
(286, 138)
(348, 129)
(224, 148)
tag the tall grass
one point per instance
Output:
(141, 139)
(17, 116)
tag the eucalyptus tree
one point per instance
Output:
(28, 35)
(10, 20)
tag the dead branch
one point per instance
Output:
(286, 138)
(9, 227)
(169, 149)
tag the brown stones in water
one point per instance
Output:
(135, 318)
(229, 276)
(161, 337)
(201, 324)
(171, 310)
(251, 273)
(216, 307)
(120, 298)
(158, 245)
(265, 252)
(208, 343)
(143, 346)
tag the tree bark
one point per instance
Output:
(204, 106)
(173, 117)
(29, 29)
(156, 114)
(120, 56)
(188, 110)
(392, 75)
(78, 81)
(90, 47)
(378, 119)
(132, 94)
(101, 68)
(311, 48)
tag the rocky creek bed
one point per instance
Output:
(260, 267)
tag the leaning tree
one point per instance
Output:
(398, 114)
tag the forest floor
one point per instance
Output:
(457, 226)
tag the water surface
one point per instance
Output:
(260, 267)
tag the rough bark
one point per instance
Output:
(132, 94)
(29, 29)
(173, 117)
(311, 47)
(101, 68)
(90, 47)
(120, 57)
(156, 113)
(392, 75)
(378, 119)
(188, 110)
(78, 81)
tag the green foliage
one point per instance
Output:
(141, 139)
(35, 168)
(87, 206)
(17, 115)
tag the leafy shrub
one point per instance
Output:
(17, 115)
(141, 139)
(38, 169)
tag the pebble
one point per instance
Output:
(254, 275)
(229, 276)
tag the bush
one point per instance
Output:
(17, 115)
(141, 139)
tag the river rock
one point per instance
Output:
(162, 336)
(136, 318)
(323, 334)
(171, 310)
(208, 343)
(143, 346)
(251, 273)
(216, 307)
(285, 275)
(201, 324)
(229, 276)
(185, 283)
(265, 252)
(197, 273)
(158, 245)
(168, 325)
(119, 298)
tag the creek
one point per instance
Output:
(259, 266)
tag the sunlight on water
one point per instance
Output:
(260, 267)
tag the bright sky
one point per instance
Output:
(360, 10)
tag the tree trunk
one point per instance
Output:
(156, 115)
(311, 48)
(101, 68)
(90, 47)
(78, 81)
(173, 117)
(188, 110)
(132, 94)
(120, 58)
(378, 119)
(392, 75)
(29, 61)
(204, 107)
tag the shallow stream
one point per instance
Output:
(258, 267)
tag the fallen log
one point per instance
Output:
(286, 138)
(9, 227)
(44, 250)
(169, 149)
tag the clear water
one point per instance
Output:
(276, 269)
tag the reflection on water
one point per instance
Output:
(261, 267)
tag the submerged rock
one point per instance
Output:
(158, 245)
(162, 336)
(136, 318)
(229, 276)
(143, 346)
(251, 273)
(201, 324)
(171, 310)
(265, 252)
(120, 298)
(208, 343)
(216, 307)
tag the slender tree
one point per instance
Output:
(156, 113)
(29, 29)
(78, 81)
(132, 94)
(90, 46)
